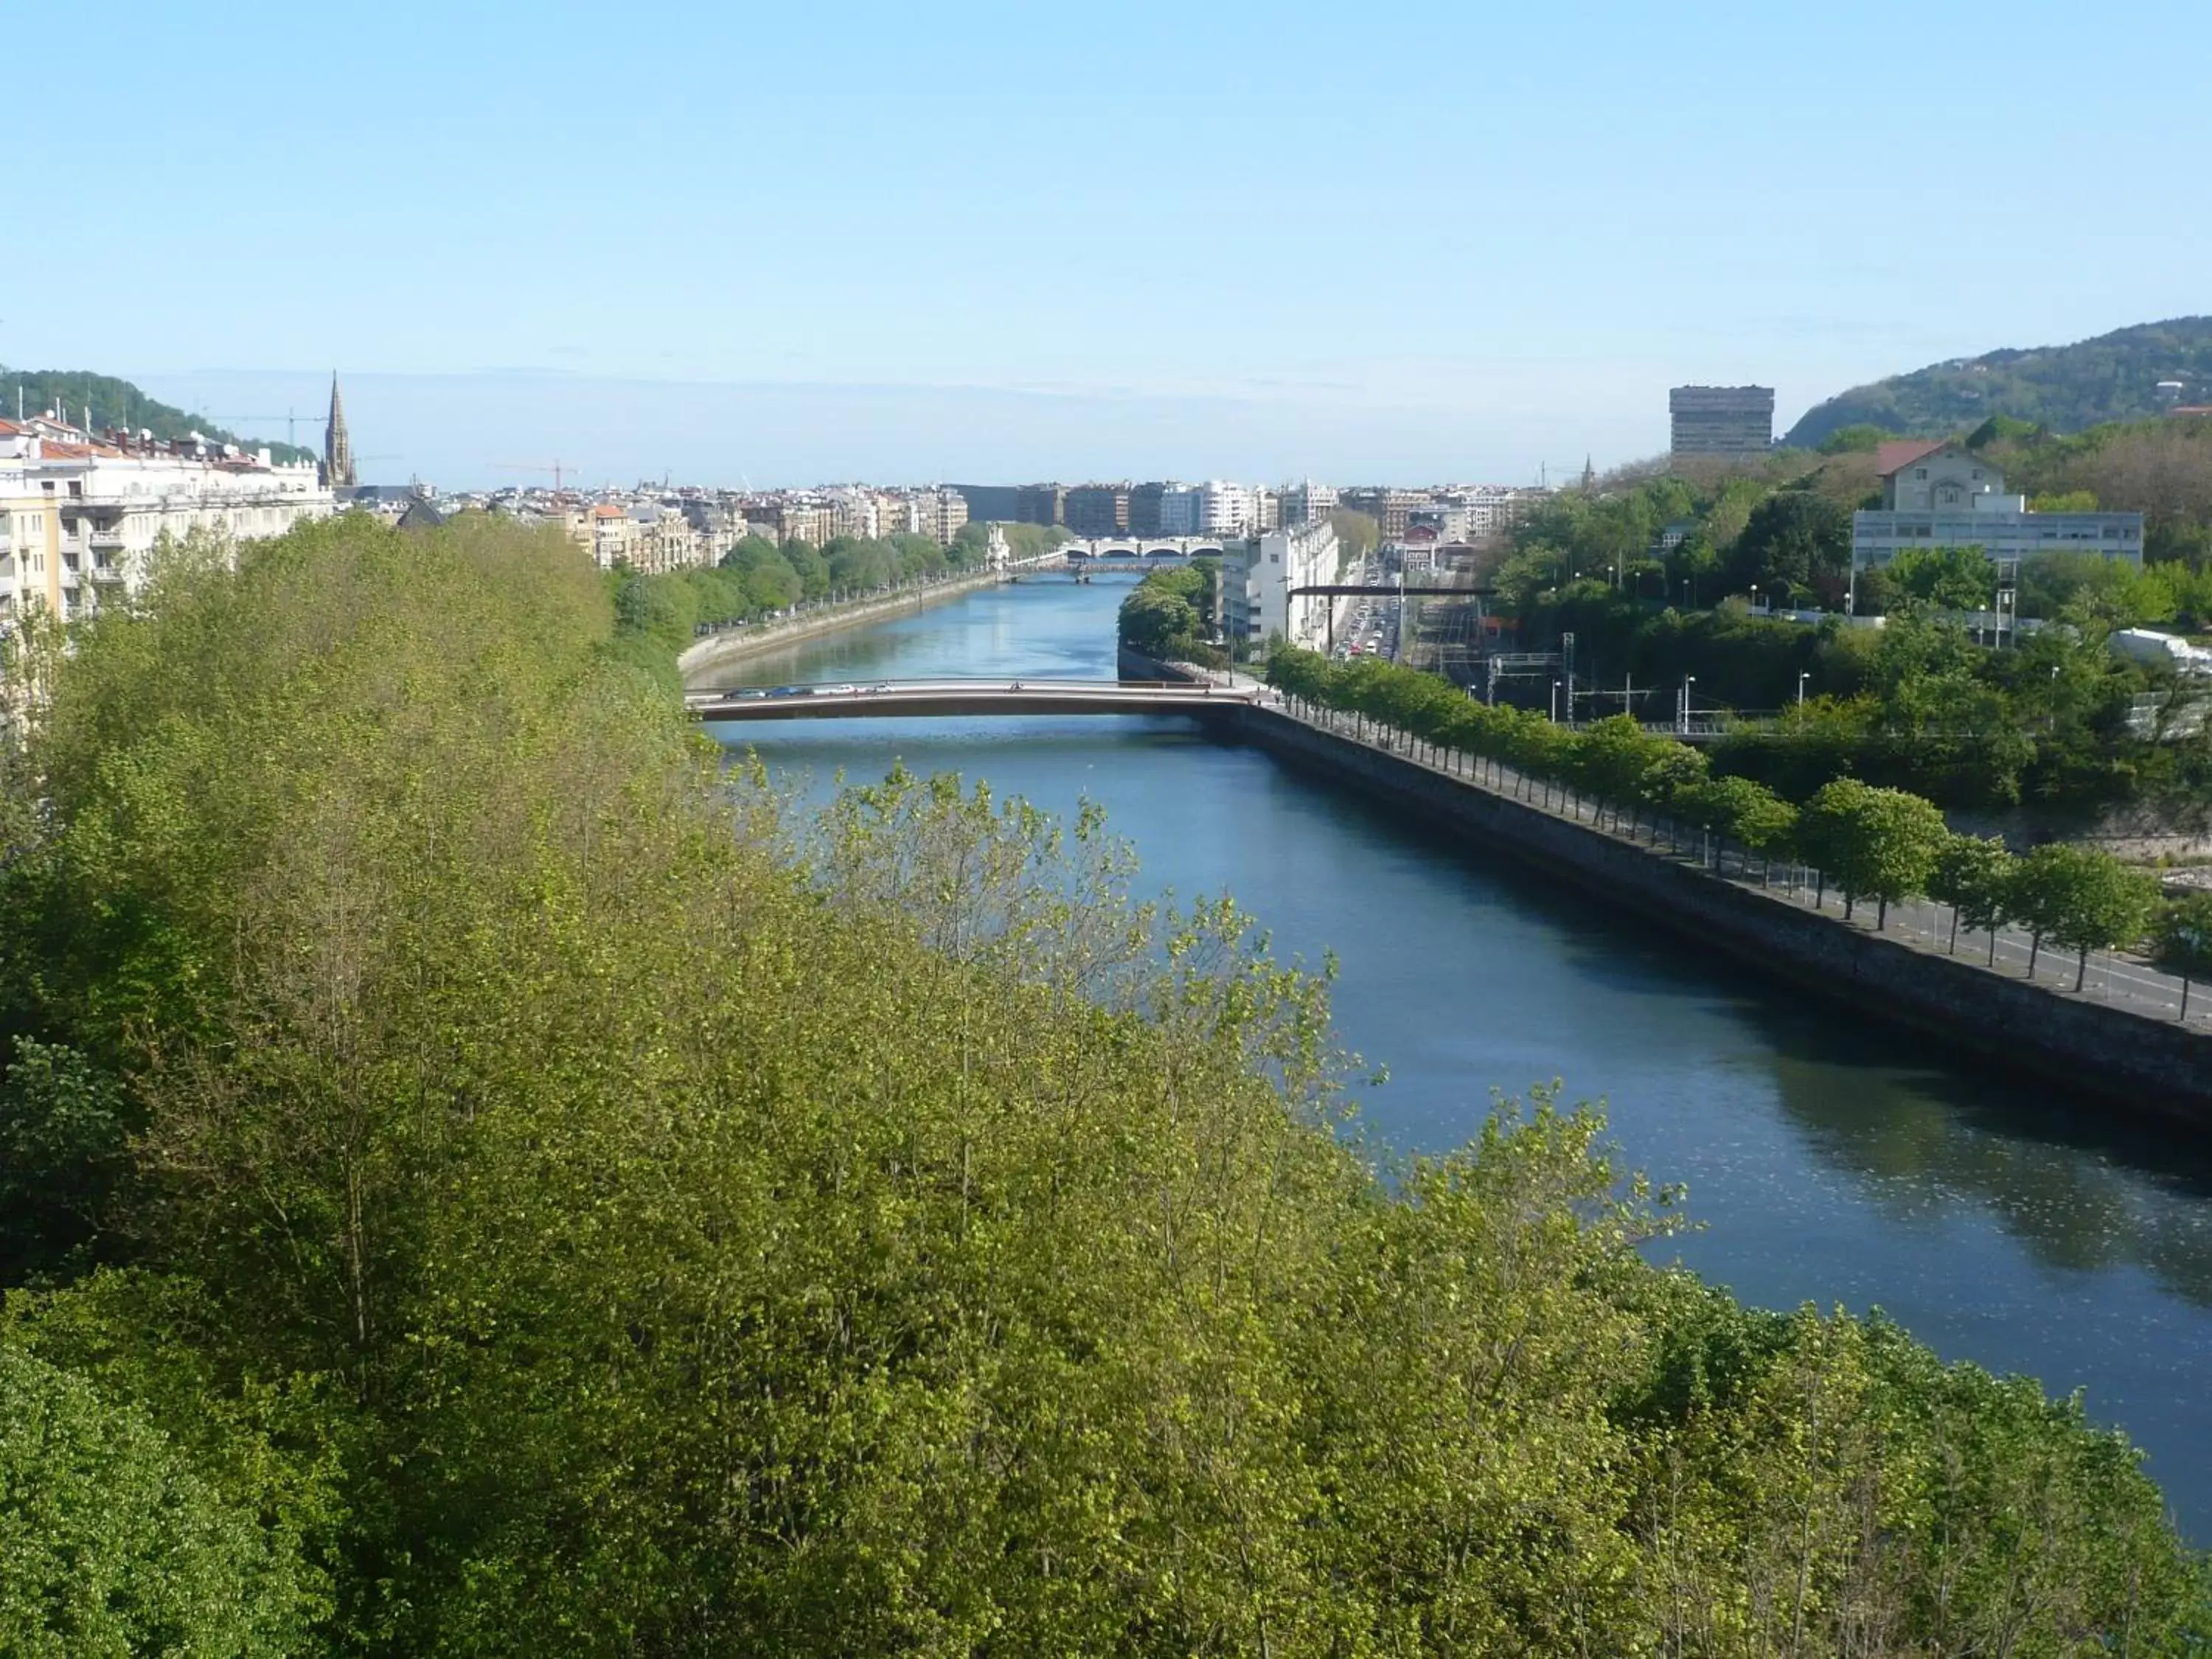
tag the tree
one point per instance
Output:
(2083, 898)
(1974, 877)
(1860, 439)
(1795, 542)
(63, 1129)
(1356, 534)
(114, 1544)
(1872, 843)
(1948, 577)
(2182, 942)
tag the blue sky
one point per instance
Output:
(815, 241)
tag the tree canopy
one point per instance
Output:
(574, 1202)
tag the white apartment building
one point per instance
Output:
(1228, 510)
(84, 515)
(1306, 502)
(1258, 574)
(1937, 495)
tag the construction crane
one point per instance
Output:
(556, 469)
(290, 419)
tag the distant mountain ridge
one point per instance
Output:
(2068, 388)
(116, 402)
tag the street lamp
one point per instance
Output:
(1688, 680)
(1754, 596)
(1555, 702)
(1804, 675)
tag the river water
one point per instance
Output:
(1826, 1159)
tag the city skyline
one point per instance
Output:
(793, 247)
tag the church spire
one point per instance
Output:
(1590, 475)
(338, 444)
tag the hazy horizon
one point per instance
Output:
(791, 245)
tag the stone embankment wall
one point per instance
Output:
(732, 645)
(2148, 1065)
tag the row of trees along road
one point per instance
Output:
(479, 1175)
(1885, 845)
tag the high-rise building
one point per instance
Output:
(1724, 422)
(1145, 508)
(1306, 503)
(337, 445)
(1099, 509)
(988, 503)
(1043, 503)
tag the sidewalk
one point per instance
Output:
(1920, 924)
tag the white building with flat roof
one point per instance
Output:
(1938, 495)
(103, 504)
(1258, 574)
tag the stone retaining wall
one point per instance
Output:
(732, 645)
(2148, 1065)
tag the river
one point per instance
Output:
(1828, 1160)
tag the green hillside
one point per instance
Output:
(2065, 388)
(120, 404)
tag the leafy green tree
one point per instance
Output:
(1795, 542)
(1861, 439)
(114, 1544)
(1872, 843)
(2081, 898)
(1948, 577)
(2182, 940)
(63, 1129)
(1358, 534)
(1974, 876)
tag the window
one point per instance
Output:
(1921, 473)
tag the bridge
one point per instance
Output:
(1146, 551)
(905, 699)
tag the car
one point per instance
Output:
(747, 694)
(837, 690)
(793, 692)
(880, 685)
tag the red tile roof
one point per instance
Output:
(1896, 456)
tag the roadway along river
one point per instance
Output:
(1828, 1162)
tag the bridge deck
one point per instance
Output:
(902, 699)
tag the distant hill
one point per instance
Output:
(2066, 388)
(120, 404)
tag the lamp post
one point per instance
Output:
(1688, 680)
(1754, 596)
(1555, 702)
(1804, 675)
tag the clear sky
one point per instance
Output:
(806, 241)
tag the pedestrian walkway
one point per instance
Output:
(1924, 924)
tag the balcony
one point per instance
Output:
(109, 539)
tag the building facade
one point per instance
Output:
(1938, 495)
(81, 516)
(1258, 574)
(1099, 509)
(1722, 423)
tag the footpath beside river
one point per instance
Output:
(2151, 1065)
(734, 644)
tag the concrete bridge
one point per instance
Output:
(1145, 550)
(906, 699)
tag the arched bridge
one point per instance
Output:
(887, 699)
(1144, 550)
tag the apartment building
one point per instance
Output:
(1144, 507)
(1097, 510)
(1182, 510)
(1306, 502)
(84, 513)
(1259, 572)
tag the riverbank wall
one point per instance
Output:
(735, 644)
(2149, 1066)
